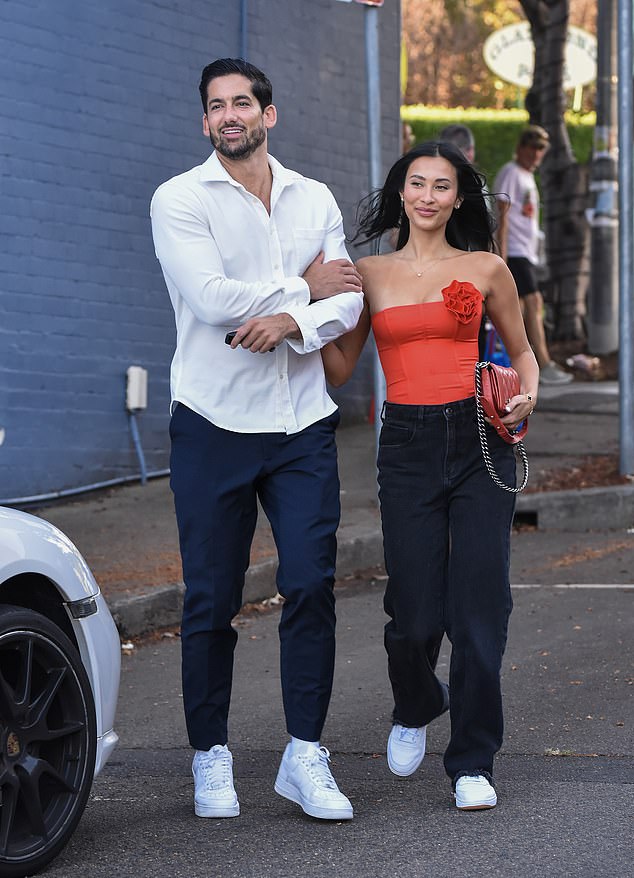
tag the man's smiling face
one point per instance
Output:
(235, 122)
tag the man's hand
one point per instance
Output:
(326, 279)
(263, 334)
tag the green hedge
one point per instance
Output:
(495, 131)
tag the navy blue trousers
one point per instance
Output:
(446, 529)
(217, 476)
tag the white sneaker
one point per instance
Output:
(214, 793)
(473, 793)
(406, 749)
(554, 374)
(304, 777)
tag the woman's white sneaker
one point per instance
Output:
(304, 777)
(474, 792)
(406, 749)
(214, 793)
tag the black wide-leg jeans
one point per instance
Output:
(217, 476)
(446, 531)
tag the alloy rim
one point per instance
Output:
(44, 743)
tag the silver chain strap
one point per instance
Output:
(484, 442)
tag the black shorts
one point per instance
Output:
(524, 274)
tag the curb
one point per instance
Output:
(361, 547)
(583, 509)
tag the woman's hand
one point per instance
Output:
(519, 408)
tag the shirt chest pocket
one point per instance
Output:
(307, 243)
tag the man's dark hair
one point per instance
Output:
(260, 84)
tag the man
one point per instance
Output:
(518, 239)
(408, 138)
(247, 246)
(462, 137)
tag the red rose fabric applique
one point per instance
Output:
(462, 298)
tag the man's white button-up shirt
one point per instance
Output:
(225, 259)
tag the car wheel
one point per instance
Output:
(47, 740)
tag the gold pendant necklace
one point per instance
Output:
(431, 265)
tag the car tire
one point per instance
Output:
(47, 740)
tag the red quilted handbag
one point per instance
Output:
(495, 386)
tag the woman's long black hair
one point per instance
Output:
(469, 228)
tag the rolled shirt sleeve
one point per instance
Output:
(325, 320)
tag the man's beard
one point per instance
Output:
(241, 150)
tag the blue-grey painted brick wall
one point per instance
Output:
(98, 105)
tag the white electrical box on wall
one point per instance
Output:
(136, 389)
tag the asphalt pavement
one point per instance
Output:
(565, 774)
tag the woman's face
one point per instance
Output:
(430, 192)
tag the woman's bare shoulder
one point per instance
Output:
(486, 259)
(484, 269)
(374, 271)
(375, 264)
(372, 261)
(488, 265)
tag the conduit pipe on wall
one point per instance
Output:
(135, 401)
(134, 429)
(82, 489)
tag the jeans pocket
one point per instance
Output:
(396, 435)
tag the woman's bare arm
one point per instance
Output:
(341, 356)
(504, 309)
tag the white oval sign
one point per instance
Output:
(510, 54)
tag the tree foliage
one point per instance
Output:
(444, 41)
(444, 44)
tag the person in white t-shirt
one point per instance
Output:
(255, 264)
(518, 240)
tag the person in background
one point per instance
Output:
(446, 525)
(518, 241)
(407, 137)
(462, 137)
(253, 255)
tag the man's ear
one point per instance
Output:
(205, 125)
(270, 116)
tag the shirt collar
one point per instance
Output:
(212, 171)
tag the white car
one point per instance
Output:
(60, 659)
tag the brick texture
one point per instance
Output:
(98, 105)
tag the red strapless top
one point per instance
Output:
(428, 352)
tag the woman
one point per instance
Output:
(446, 526)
